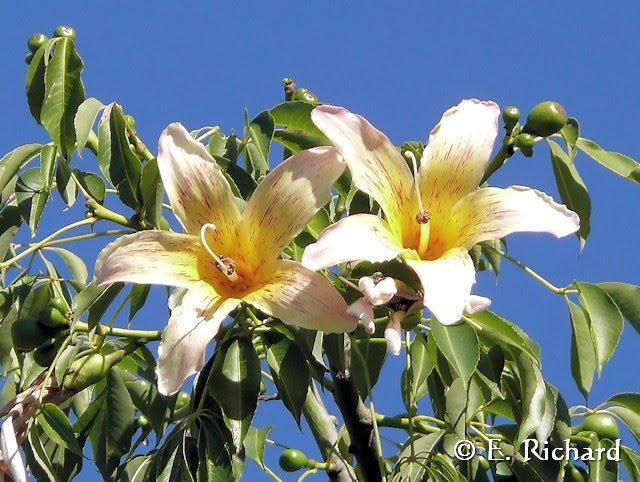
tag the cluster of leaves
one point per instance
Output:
(479, 381)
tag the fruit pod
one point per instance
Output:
(545, 119)
(27, 334)
(87, 371)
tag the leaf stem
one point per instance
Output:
(550, 286)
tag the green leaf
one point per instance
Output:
(627, 407)
(57, 426)
(583, 355)
(572, 190)
(32, 197)
(118, 162)
(35, 80)
(75, 264)
(295, 141)
(605, 320)
(138, 298)
(234, 382)
(421, 366)
(533, 390)
(367, 363)
(602, 469)
(12, 162)
(63, 95)
(96, 299)
(65, 184)
(214, 459)
(254, 443)
(260, 130)
(619, 163)
(290, 373)
(48, 157)
(571, 132)
(242, 180)
(296, 116)
(92, 183)
(151, 192)
(114, 426)
(10, 221)
(217, 145)
(85, 118)
(497, 330)
(459, 345)
(631, 461)
(413, 454)
(627, 298)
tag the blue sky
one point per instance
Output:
(401, 66)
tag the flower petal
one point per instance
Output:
(363, 310)
(476, 304)
(456, 155)
(356, 237)
(151, 257)
(197, 189)
(492, 213)
(195, 320)
(378, 292)
(302, 297)
(376, 166)
(393, 333)
(287, 198)
(10, 454)
(447, 283)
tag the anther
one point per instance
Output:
(224, 264)
(423, 217)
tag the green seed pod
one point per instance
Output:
(59, 304)
(27, 334)
(51, 318)
(64, 31)
(28, 58)
(131, 122)
(46, 353)
(510, 116)
(602, 424)
(525, 141)
(546, 119)
(305, 95)
(292, 460)
(36, 41)
(183, 400)
(89, 370)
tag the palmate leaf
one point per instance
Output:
(15, 160)
(614, 161)
(260, 130)
(32, 196)
(63, 95)
(583, 355)
(572, 190)
(604, 318)
(627, 407)
(234, 382)
(459, 345)
(114, 425)
(84, 119)
(120, 165)
(627, 299)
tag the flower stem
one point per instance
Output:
(40, 244)
(147, 335)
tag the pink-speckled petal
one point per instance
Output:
(356, 237)
(302, 297)
(376, 166)
(151, 257)
(492, 213)
(393, 333)
(285, 201)
(197, 189)
(363, 310)
(456, 155)
(195, 320)
(476, 304)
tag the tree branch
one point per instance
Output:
(357, 417)
(324, 431)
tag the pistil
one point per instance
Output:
(224, 264)
(423, 217)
